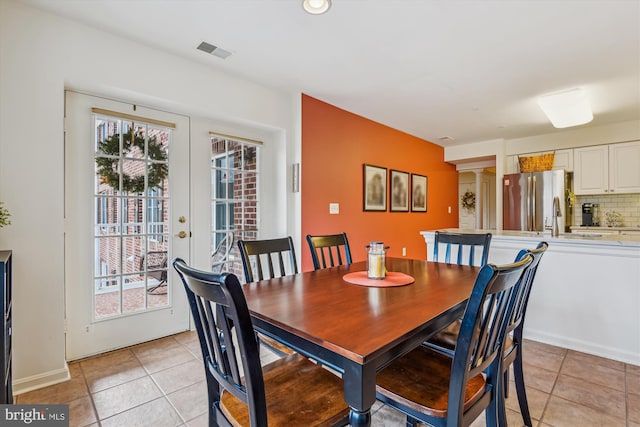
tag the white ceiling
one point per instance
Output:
(470, 70)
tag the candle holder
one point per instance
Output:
(376, 260)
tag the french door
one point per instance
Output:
(126, 217)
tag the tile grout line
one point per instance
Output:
(93, 404)
(184, 421)
(164, 395)
(546, 405)
(592, 383)
(147, 374)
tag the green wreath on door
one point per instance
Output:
(109, 166)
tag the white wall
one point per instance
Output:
(41, 54)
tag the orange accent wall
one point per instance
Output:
(335, 145)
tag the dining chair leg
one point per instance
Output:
(493, 415)
(505, 381)
(518, 377)
(499, 405)
(412, 422)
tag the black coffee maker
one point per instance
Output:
(587, 214)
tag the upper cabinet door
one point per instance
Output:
(591, 170)
(624, 167)
(563, 160)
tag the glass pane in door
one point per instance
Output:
(132, 213)
(234, 199)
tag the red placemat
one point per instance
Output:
(391, 279)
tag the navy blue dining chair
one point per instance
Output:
(445, 343)
(439, 390)
(329, 250)
(258, 260)
(462, 243)
(291, 391)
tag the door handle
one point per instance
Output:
(182, 234)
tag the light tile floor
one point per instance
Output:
(161, 383)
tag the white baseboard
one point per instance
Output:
(583, 346)
(46, 379)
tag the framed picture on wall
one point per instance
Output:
(399, 191)
(374, 189)
(418, 193)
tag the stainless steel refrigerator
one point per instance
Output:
(528, 200)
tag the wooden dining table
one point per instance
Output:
(358, 330)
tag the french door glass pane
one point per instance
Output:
(131, 217)
(234, 198)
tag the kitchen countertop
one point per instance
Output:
(589, 238)
(577, 228)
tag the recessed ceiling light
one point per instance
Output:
(316, 7)
(567, 108)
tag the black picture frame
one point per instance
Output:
(419, 192)
(374, 188)
(398, 191)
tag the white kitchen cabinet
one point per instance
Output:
(603, 169)
(624, 167)
(591, 173)
(563, 160)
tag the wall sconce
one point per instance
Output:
(567, 108)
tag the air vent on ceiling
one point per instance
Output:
(446, 139)
(214, 50)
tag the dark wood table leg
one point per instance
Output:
(360, 393)
(360, 418)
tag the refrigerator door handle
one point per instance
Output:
(534, 223)
(528, 203)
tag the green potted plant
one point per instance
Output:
(4, 216)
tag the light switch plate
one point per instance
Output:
(334, 208)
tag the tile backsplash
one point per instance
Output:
(627, 204)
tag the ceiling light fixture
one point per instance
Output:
(567, 108)
(316, 7)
